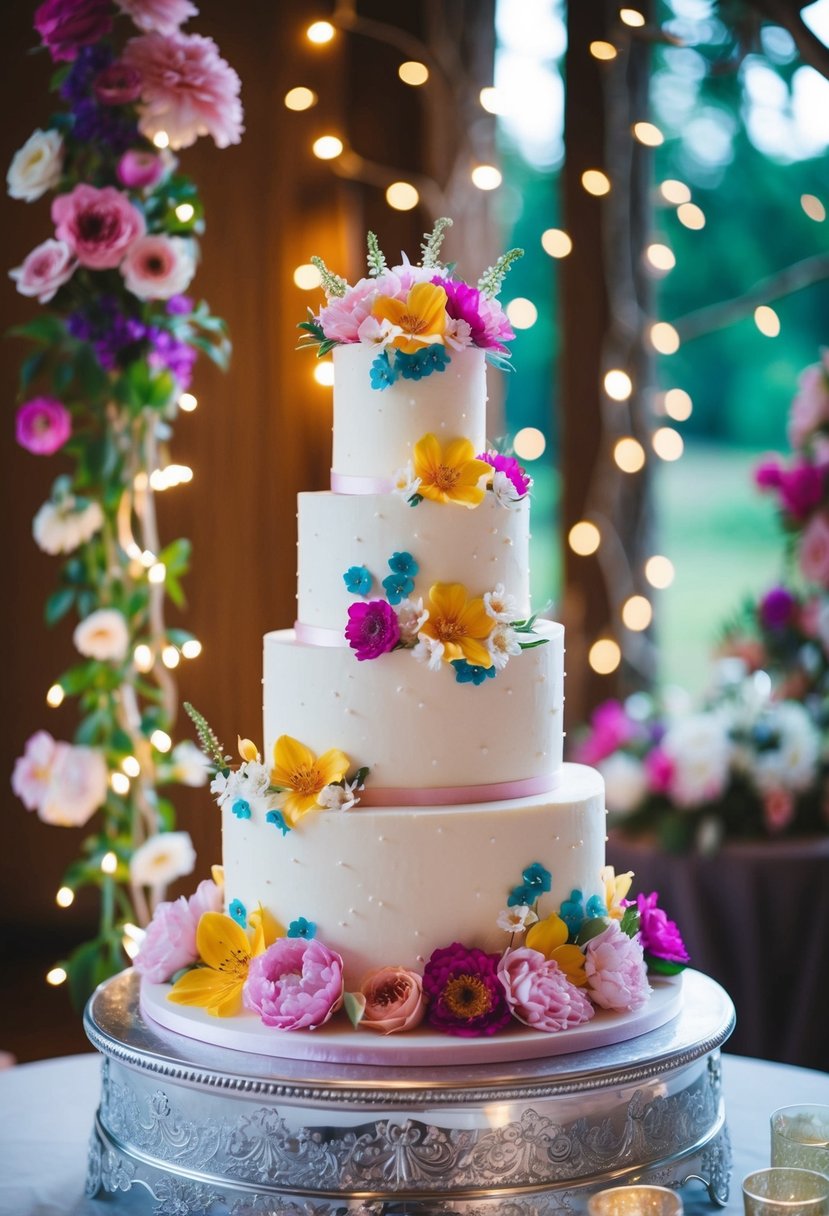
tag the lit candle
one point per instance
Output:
(800, 1137)
(635, 1201)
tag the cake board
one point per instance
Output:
(201, 1130)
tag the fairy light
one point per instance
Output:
(131, 766)
(604, 656)
(667, 443)
(324, 373)
(65, 897)
(637, 613)
(320, 32)
(131, 939)
(664, 338)
(617, 384)
(170, 657)
(161, 741)
(678, 404)
(185, 212)
(659, 571)
(529, 443)
(109, 863)
(813, 207)
(300, 98)
(691, 216)
(402, 196)
(148, 558)
(140, 482)
(675, 192)
(191, 649)
(648, 133)
(56, 977)
(629, 455)
(327, 147)
(631, 17)
(413, 72)
(55, 695)
(556, 242)
(187, 402)
(603, 50)
(521, 313)
(142, 657)
(120, 783)
(157, 573)
(486, 177)
(595, 182)
(660, 257)
(161, 139)
(767, 321)
(584, 538)
(307, 277)
(491, 100)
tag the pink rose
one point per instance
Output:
(67, 25)
(170, 941)
(161, 16)
(810, 408)
(295, 985)
(188, 89)
(78, 785)
(814, 550)
(778, 810)
(540, 994)
(117, 85)
(139, 170)
(158, 267)
(33, 770)
(44, 270)
(43, 425)
(615, 968)
(394, 1000)
(98, 225)
(343, 315)
(659, 770)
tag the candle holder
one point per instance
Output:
(800, 1137)
(635, 1201)
(784, 1191)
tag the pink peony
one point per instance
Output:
(615, 968)
(78, 785)
(117, 85)
(44, 270)
(295, 985)
(659, 936)
(158, 267)
(814, 551)
(33, 770)
(509, 466)
(159, 16)
(466, 997)
(98, 225)
(810, 408)
(67, 25)
(373, 629)
(170, 941)
(540, 994)
(139, 170)
(342, 316)
(188, 89)
(43, 425)
(497, 329)
(394, 1000)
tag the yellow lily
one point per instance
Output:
(449, 474)
(460, 623)
(247, 748)
(226, 950)
(549, 937)
(421, 317)
(297, 770)
(616, 887)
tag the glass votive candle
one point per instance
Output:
(781, 1191)
(800, 1137)
(635, 1200)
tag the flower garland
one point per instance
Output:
(112, 357)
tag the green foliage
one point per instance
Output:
(493, 277)
(210, 745)
(376, 259)
(432, 242)
(334, 285)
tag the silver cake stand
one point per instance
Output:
(218, 1132)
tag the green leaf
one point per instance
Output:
(30, 367)
(176, 556)
(166, 814)
(175, 591)
(58, 604)
(92, 728)
(354, 1004)
(87, 967)
(78, 678)
(120, 742)
(179, 636)
(47, 329)
(62, 376)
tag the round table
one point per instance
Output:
(46, 1112)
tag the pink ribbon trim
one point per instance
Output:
(318, 635)
(454, 795)
(344, 483)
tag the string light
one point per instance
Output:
(617, 384)
(678, 404)
(667, 443)
(660, 257)
(161, 741)
(142, 656)
(486, 177)
(659, 571)
(556, 242)
(192, 648)
(132, 939)
(631, 17)
(140, 481)
(664, 338)
(300, 98)
(491, 100)
(595, 182)
(187, 402)
(629, 455)
(648, 134)
(170, 657)
(767, 321)
(675, 192)
(603, 50)
(604, 656)
(157, 573)
(120, 783)
(109, 863)
(161, 139)
(402, 196)
(813, 207)
(147, 558)
(55, 695)
(521, 313)
(320, 32)
(185, 212)
(56, 976)
(65, 897)
(324, 373)
(171, 475)
(131, 766)
(327, 147)
(307, 277)
(413, 72)
(691, 216)
(584, 538)
(529, 443)
(637, 613)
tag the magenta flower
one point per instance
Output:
(117, 85)
(611, 728)
(813, 556)
(777, 608)
(295, 985)
(767, 474)
(660, 937)
(540, 994)
(466, 997)
(372, 629)
(615, 968)
(810, 408)
(801, 489)
(659, 770)
(43, 425)
(513, 470)
(45, 270)
(98, 225)
(170, 941)
(67, 25)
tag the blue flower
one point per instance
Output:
(241, 808)
(398, 586)
(358, 580)
(239, 913)
(403, 563)
(469, 673)
(572, 912)
(382, 374)
(595, 907)
(278, 819)
(432, 358)
(537, 877)
(302, 928)
(521, 895)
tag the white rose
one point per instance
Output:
(626, 783)
(190, 765)
(103, 635)
(36, 167)
(701, 750)
(77, 786)
(59, 527)
(162, 859)
(791, 765)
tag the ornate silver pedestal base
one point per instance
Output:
(212, 1132)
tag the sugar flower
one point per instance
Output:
(304, 777)
(103, 635)
(539, 994)
(397, 587)
(458, 333)
(340, 797)
(45, 270)
(302, 928)
(509, 480)
(615, 969)
(295, 984)
(33, 770)
(660, 938)
(358, 580)
(377, 333)
(550, 938)
(161, 16)
(43, 425)
(341, 318)
(372, 629)
(411, 616)
(405, 483)
(429, 651)
(36, 167)
(139, 170)
(169, 943)
(421, 318)
(67, 25)
(59, 527)
(616, 887)
(188, 89)
(226, 951)
(238, 912)
(394, 1000)
(78, 785)
(461, 623)
(516, 919)
(471, 673)
(98, 225)
(466, 997)
(502, 645)
(161, 859)
(500, 606)
(158, 267)
(449, 474)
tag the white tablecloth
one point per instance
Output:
(46, 1114)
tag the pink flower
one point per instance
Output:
(188, 89)
(801, 489)
(33, 770)
(159, 16)
(170, 941)
(98, 225)
(778, 810)
(466, 997)
(295, 985)
(814, 550)
(768, 473)
(540, 994)
(810, 408)
(343, 315)
(78, 785)
(611, 728)
(43, 425)
(158, 267)
(139, 170)
(497, 329)
(117, 85)
(615, 968)
(511, 468)
(372, 629)
(67, 25)
(44, 270)
(659, 936)
(394, 1000)
(659, 770)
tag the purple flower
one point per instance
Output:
(102, 124)
(179, 306)
(91, 61)
(659, 936)
(513, 470)
(43, 425)
(540, 994)
(466, 996)
(777, 608)
(615, 968)
(173, 354)
(295, 985)
(67, 25)
(117, 85)
(372, 629)
(801, 489)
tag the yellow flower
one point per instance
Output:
(549, 937)
(226, 950)
(422, 317)
(616, 888)
(459, 623)
(297, 770)
(247, 748)
(449, 474)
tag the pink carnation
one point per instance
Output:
(170, 941)
(394, 1000)
(44, 270)
(342, 316)
(188, 89)
(98, 225)
(138, 170)
(540, 994)
(658, 935)
(43, 425)
(159, 16)
(158, 267)
(810, 408)
(295, 985)
(33, 770)
(814, 551)
(615, 968)
(67, 25)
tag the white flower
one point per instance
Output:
(709, 835)
(162, 859)
(190, 766)
(375, 332)
(505, 492)
(59, 527)
(499, 605)
(405, 483)
(626, 782)
(792, 764)
(103, 635)
(78, 782)
(517, 919)
(458, 333)
(701, 750)
(502, 643)
(429, 651)
(36, 167)
(224, 787)
(411, 617)
(339, 797)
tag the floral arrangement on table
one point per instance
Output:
(414, 316)
(113, 357)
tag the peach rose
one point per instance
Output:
(394, 1000)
